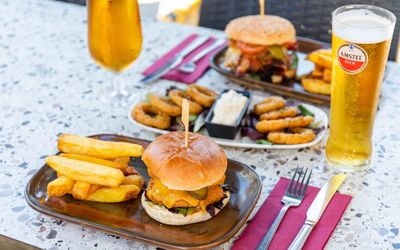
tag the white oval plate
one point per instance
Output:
(245, 142)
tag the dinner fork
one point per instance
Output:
(293, 196)
(191, 66)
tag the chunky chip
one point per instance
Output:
(116, 194)
(59, 187)
(102, 149)
(80, 190)
(120, 164)
(85, 171)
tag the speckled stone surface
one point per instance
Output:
(49, 84)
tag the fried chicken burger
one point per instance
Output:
(186, 183)
(262, 47)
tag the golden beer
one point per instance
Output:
(114, 32)
(359, 59)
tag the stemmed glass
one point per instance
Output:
(115, 41)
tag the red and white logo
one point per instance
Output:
(352, 58)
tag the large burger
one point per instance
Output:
(186, 183)
(262, 47)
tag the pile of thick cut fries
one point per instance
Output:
(319, 80)
(95, 170)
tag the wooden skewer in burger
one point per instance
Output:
(262, 7)
(187, 171)
(262, 47)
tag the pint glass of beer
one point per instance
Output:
(361, 36)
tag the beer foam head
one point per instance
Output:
(362, 26)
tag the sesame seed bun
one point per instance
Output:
(203, 163)
(261, 30)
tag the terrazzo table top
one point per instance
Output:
(49, 84)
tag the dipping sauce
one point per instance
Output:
(228, 108)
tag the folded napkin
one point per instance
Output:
(174, 74)
(293, 220)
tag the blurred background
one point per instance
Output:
(312, 18)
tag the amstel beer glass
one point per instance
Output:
(361, 36)
(115, 38)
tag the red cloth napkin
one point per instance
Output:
(175, 75)
(293, 220)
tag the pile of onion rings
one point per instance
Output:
(160, 109)
(281, 124)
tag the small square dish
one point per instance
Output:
(225, 131)
(129, 218)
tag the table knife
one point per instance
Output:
(316, 209)
(176, 60)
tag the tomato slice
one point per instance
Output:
(251, 49)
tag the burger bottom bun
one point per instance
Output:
(163, 215)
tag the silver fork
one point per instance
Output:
(190, 66)
(292, 198)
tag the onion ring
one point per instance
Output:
(149, 115)
(267, 126)
(269, 104)
(176, 96)
(300, 136)
(279, 114)
(201, 95)
(165, 105)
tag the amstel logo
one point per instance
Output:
(352, 58)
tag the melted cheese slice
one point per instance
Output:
(168, 197)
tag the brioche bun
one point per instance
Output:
(261, 30)
(201, 164)
(163, 215)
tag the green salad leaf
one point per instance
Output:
(182, 210)
(191, 210)
(187, 210)
(254, 75)
(192, 118)
(295, 61)
(264, 142)
(305, 111)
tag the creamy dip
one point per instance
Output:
(228, 108)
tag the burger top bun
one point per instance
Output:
(261, 30)
(201, 164)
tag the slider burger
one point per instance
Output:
(262, 47)
(185, 185)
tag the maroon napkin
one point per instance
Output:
(293, 220)
(174, 74)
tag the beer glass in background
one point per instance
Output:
(361, 36)
(115, 41)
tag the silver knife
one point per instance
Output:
(316, 209)
(176, 60)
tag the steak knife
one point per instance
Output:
(176, 60)
(316, 209)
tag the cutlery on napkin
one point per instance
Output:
(174, 74)
(293, 197)
(294, 220)
(190, 66)
(175, 60)
(316, 209)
